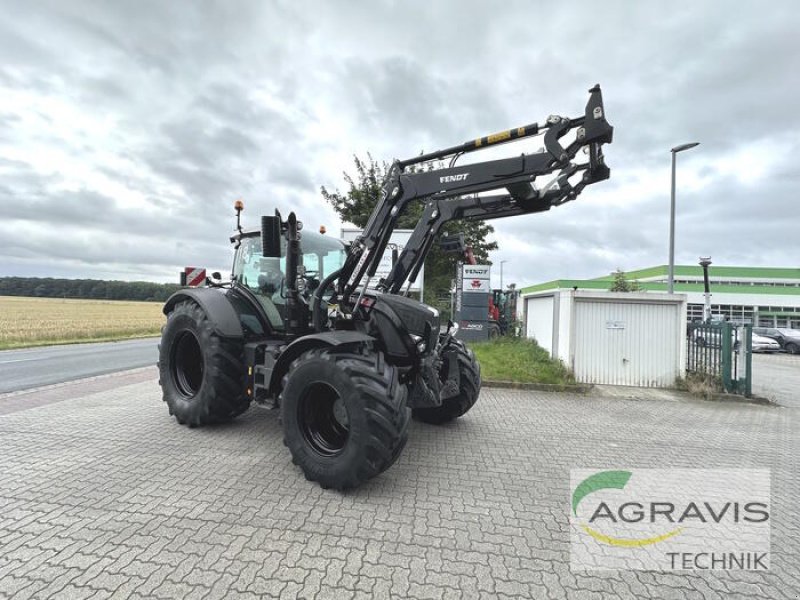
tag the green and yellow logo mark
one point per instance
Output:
(611, 480)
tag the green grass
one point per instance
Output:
(521, 361)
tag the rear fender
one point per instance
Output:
(216, 305)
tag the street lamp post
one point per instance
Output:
(501, 274)
(705, 262)
(671, 274)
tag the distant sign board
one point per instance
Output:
(472, 299)
(400, 238)
(476, 278)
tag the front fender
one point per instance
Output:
(216, 305)
(306, 343)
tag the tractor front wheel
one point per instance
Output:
(201, 374)
(344, 414)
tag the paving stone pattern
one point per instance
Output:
(103, 495)
(777, 377)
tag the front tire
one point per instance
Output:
(202, 375)
(344, 414)
(469, 388)
(792, 348)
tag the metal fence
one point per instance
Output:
(722, 350)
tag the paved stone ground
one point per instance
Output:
(103, 495)
(777, 377)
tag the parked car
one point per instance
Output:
(765, 344)
(703, 336)
(711, 337)
(789, 339)
(706, 337)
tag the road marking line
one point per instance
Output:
(5, 362)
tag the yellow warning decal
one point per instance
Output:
(499, 137)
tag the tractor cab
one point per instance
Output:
(265, 277)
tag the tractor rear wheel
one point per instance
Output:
(202, 375)
(344, 414)
(469, 388)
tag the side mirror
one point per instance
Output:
(216, 275)
(271, 236)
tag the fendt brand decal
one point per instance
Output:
(451, 178)
(480, 272)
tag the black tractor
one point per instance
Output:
(303, 326)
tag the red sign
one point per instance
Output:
(195, 276)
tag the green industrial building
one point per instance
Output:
(764, 296)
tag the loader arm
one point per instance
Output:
(439, 186)
(483, 208)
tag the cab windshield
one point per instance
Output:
(265, 277)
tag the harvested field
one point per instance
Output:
(39, 321)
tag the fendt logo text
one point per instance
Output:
(452, 178)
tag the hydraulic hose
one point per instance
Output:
(316, 301)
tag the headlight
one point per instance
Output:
(419, 341)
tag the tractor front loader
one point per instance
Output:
(303, 328)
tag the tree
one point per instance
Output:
(356, 205)
(622, 284)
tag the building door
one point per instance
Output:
(539, 321)
(627, 343)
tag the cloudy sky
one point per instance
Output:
(128, 128)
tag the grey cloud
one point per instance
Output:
(212, 101)
(403, 99)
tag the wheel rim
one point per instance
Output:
(187, 364)
(323, 419)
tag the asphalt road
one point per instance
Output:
(35, 367)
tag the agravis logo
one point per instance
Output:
(670, 519)
(613, 480)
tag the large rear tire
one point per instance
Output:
(344, 414)
(202, 375)
(469, 389)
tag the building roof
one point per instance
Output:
(716, 272)
(654, 279)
